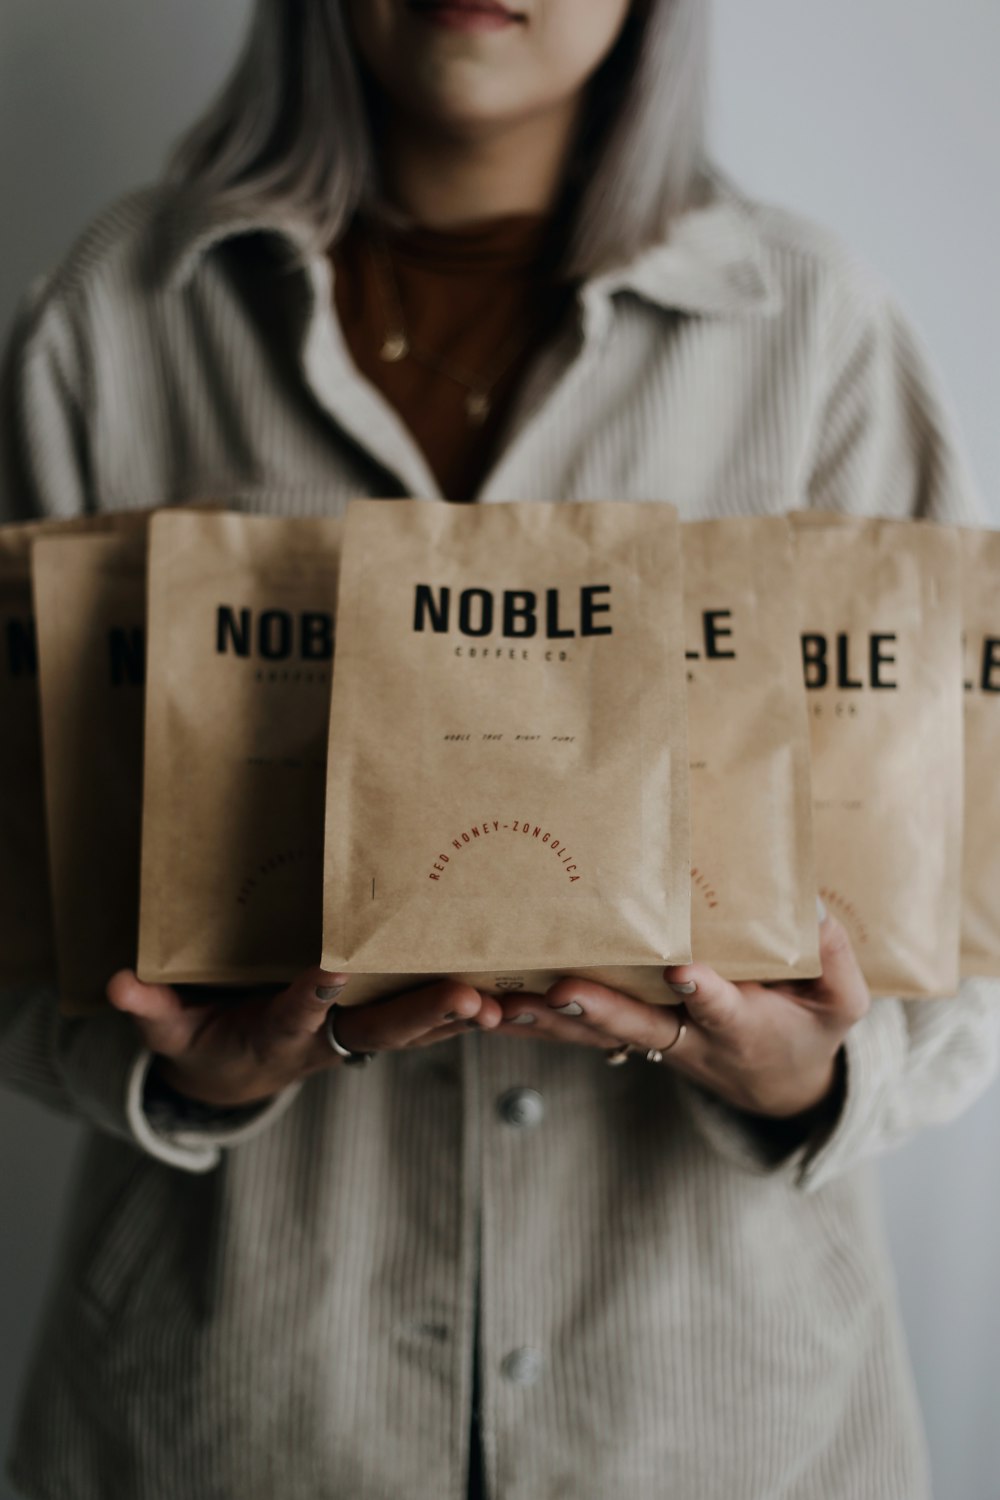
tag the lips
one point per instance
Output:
(467, 8)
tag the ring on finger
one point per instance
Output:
(619, 1055)
(656, 1054)
(351, 1059)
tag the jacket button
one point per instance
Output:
(522, 1366)
(521, 1107)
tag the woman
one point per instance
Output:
(447, 247)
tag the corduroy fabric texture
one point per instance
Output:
(287, 1308)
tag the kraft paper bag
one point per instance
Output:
(26, 946)
(981, 873)
(27, 951)
(240, 647)
(90, 602)
(507, 790)
(753, 898)
(882, 661)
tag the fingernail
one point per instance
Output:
(329, 991)
(688, 988)
(821, 910)
(524, 1019)
(451, 1016)
(572, 1009)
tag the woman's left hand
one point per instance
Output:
(767, 1049)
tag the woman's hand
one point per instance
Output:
(767, 1049)
(247, 1046)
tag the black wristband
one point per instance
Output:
(166, 1109)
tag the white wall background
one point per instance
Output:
(879, 117)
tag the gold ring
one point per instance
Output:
(681, 1033)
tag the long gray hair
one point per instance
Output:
(291, 135)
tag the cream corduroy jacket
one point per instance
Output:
(668, 1309)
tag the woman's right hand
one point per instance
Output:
(248, 1046)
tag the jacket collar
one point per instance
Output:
(711, 263)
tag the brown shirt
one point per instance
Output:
(476, 304)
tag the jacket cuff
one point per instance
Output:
(875, 1051)
(103, 1066)
(748, 1142)
(871, 1057)
(194, 1140)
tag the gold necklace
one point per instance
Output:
(398, 345)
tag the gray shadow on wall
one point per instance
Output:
(90, 97)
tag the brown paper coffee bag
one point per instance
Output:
(508, 757)
(27, 953)
(240, 645)
(26, 948)
(981, 861)
(881, 649)
(753, 897)
(90, 604)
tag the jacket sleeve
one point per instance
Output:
(885, 443)
(44, 463)
(93, 1068)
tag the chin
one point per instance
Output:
(465, 98)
